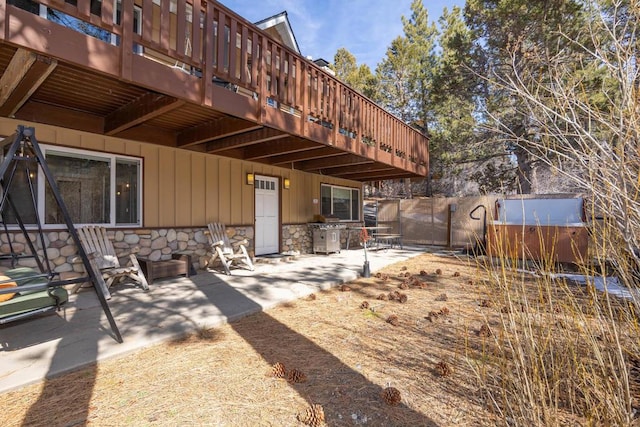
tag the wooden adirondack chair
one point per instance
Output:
(222, 249)
(94, 240)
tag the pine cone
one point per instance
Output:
(278, 370)
(485, 331)
(311, 297)
(485, 303)
(441, 297)
(423, 273)
(378, 275)
(382, 297)
(444, 369)
(402, 298)
(403, 285)
(296, 376)
(313, 416)
(364, 305)
(407, 274)
(420, 284)
(345, 288)
(393, 296)
(391, 396)
(456, 274)
(434, 315)
(404, 267)
(393, 319)
(438, 271)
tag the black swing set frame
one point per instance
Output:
(24, 151)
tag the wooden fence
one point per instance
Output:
(442, 221)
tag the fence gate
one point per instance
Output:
(433, 221)
(389, 216)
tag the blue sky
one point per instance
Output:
(364, 27)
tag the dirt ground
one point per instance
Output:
(340, 349)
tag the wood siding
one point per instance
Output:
(188, 189)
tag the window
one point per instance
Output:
(341, 202)
(96, 188)
(82, 26)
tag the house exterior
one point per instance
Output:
(159, 116)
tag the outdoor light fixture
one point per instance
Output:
(250, 179)
(286, 183)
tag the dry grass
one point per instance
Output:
(437, 353)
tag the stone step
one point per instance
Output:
(276, 258)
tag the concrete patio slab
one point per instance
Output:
(43, 347)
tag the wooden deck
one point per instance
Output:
(222, 87)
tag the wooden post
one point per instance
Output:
(3, 18)
(452, 209)
(126, 45)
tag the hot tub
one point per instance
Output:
(549, 230)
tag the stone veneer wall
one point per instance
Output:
(154, 244)
(298, 238)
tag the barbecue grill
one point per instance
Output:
(326, 235)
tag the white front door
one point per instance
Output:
(267, 223)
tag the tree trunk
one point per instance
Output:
(524, 174)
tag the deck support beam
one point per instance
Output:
(145, 108)
(24, 75)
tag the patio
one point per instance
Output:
(79, 335)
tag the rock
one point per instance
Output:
(68, 275)
(28, 262)
(57, 244)
(201, 237)
(132, 239)
(144, 251)
(53, 253)
(63, 268)
(59, 261)
(68, 250)
(159, 243)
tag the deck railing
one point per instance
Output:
(217, 47)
